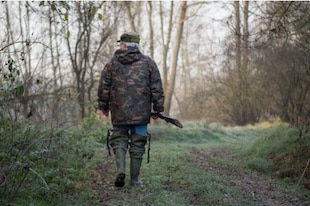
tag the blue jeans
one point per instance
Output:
(140, 129)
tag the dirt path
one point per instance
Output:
(263, 191)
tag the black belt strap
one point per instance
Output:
(149, 147)
(108, 140)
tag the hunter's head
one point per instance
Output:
(129, 39)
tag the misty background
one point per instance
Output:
(235, 63)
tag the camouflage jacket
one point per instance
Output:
(130, 83)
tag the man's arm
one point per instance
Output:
(156, 88)
(104, 90)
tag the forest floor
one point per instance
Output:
(257, 188)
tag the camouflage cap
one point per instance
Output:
(130, 37)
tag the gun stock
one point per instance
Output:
(168, 119)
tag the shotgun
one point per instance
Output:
(168, 119)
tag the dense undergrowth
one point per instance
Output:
(48, 166)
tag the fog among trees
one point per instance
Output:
(235, 63)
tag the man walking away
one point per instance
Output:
(130, 87)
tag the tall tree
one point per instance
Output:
(165, 42)
(175, 54)
(150, 21)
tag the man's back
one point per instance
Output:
(134, 80)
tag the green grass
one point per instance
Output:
(46, 166)
(55, 166)
(176, 180)
(278, 150)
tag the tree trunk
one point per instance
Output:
(151, 44)
(175, 54)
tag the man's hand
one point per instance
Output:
(154, 115)
(101, 114)
(105, 112)
(103, 109)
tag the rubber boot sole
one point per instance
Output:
(120, 180)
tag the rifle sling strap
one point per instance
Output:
(149, 147)
(108, 141)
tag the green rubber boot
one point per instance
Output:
(119, 143)
(135, 165)
(136, 150)
(120, 156)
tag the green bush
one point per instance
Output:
(43, 165)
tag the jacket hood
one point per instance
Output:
(127, 56)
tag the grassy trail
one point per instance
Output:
(198, 165)
(195, 168)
